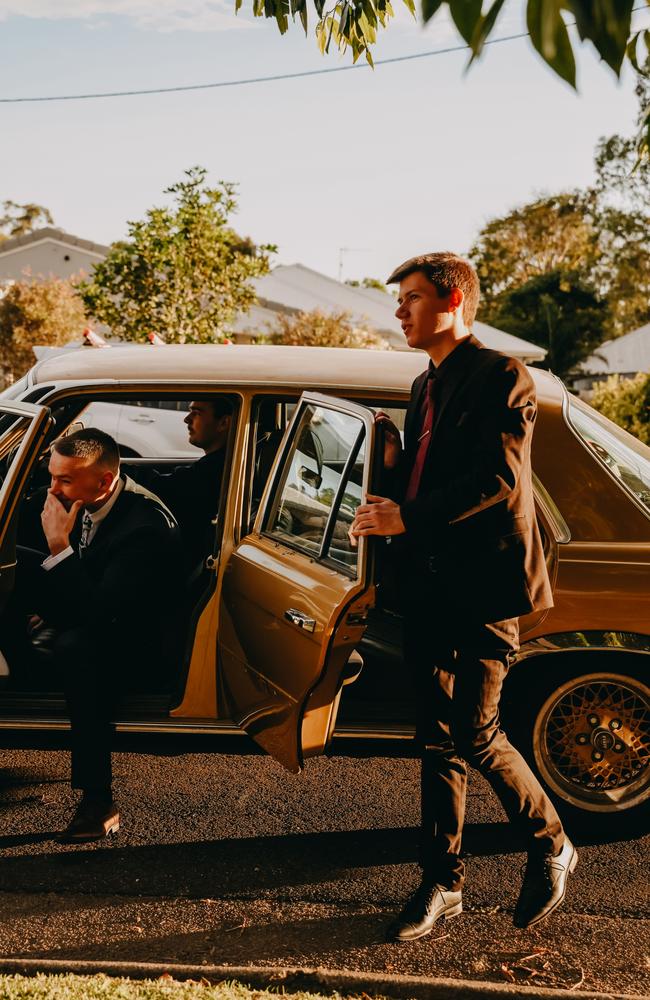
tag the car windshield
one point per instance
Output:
(625, 457)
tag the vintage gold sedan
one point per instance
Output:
(287, 635)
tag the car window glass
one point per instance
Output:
(623, 455)
(149, 428)
(12, 432)
(322, 480)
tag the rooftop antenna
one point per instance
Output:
(343, 250)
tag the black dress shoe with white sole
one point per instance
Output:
(427, 905)
(92, 820)
(544, 886)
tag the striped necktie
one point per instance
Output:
(86, 526)
(424, 439)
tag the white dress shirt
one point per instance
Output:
(96, 517)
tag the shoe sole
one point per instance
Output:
(71, 839)
(572, 867)
(453, 911)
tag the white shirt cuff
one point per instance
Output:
(52, 561)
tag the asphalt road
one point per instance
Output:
(227, 859)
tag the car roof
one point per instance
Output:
(244, 364)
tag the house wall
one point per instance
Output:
(46, 259)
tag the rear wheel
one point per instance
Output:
(587, 735)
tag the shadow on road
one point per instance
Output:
(233, 868)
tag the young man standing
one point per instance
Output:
(470, 561)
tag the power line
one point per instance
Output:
(255, 79)
(263, 79)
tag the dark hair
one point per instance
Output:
(90, 443)
(445, 270)
(221, 405)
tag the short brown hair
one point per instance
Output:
(90, 443)
(445, 270)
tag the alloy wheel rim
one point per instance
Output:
(592, 742)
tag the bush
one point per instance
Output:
(626, 401)
(45, 313)
(321, 329)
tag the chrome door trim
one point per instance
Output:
(592, 640)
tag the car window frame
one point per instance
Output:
(274, 482)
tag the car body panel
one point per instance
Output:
(289, 620)
(596, 534)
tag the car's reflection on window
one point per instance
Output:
(317, 499)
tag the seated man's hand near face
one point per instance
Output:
(58, 522)
(378, 516)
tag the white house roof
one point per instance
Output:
(625, 355)
(53, 235)
(301, 289)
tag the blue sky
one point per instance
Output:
(411, 157)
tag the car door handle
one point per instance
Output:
(300, 619)
(143, 420)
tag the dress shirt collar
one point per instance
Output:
(453, 366)
(97, 516)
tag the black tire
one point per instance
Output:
(583, 724)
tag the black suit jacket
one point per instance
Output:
(472, 527)
(192, 493)
(128, 580)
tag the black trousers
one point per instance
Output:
(458, 670)
(95, 661)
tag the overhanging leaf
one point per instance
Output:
(549, 35)
(429, 8)
(483, 28)
(607, 24)
(466, 14)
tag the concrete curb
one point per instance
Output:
(313, 980)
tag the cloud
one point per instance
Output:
(157, 15)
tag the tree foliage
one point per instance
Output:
(183, 273)
(354, 24)
(367, 283)
(626, 401)
(36, 313)
(20, 219)
(572, 232)
(321, 329)
(557, 311)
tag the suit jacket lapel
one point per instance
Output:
(442, 404)
(414, 407)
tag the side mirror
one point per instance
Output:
(311, 478)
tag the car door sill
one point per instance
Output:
(204, 726)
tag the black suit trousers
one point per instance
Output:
(458, 669)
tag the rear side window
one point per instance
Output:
(626, 458)
(320, 489)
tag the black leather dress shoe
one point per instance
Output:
(427, 905)
(93, 820)
(544, 886)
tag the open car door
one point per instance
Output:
(22, 429)
(296, 592)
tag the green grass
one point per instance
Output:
(43, 987)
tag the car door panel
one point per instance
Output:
(285, 628)
(22, 429)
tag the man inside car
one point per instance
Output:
(192, 491)
(107, 591)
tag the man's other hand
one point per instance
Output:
(392, 440)
(378, 516)
(58, 522)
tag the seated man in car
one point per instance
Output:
(192, 491)
(106, 586)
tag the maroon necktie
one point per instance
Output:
(424, 440)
